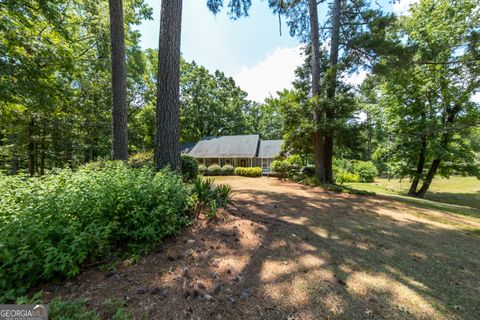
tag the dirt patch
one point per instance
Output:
(286, 251)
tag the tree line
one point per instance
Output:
(76, 86)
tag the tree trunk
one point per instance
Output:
(31, 147)
(42, 150)
(420, 165)
(319, 136)
(428, 178)
(332, 87)
(119, 82)
(167, 135)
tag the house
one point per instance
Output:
(238, 151)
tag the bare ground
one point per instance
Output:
(286, 251)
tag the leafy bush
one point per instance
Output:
(342, 176)
(189, 168)
(248, 171)
(295, 160)
(202, 169)
(308, 171)
(214, 170)
(49, 227)
(281, 168)
(365, 170)
(141, 159)
(228, 170)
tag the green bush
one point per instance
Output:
(50, 226)
(365, 170)
(308, 171)
(141, 159)
(214, 170)
(342, 176)
(228, 170)
(189, 168)
(281, 168)
(248, 171)
(202, 169)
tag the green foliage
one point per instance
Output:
(248, 171)
(341, 176)
(202, 169)
(365, 170)
(228, 170)
(49, 227)
(281, 168)
(308, 171)
(214, 170)
(141, 159)
(70, 310)
(189, 168)
(209, 196)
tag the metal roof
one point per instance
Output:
(270, 148)
(226, 146)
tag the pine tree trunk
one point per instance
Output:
(119, 82)
(13, 143)
(31, 147)
(167, 135)
(319, 136)
(332, 87)
(43, 150)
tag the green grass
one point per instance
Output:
(459, 195)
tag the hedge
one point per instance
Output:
(248, 171)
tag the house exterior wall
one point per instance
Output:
(263, 163)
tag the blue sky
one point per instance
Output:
(250, 49)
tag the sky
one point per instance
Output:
(251, 49)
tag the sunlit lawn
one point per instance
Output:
(460, 195)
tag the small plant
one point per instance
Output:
(189, 168)
(210, 197)
(228, 170)
(214, 170)
(248, 171)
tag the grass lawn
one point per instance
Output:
(458, 195)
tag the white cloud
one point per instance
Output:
(401, 7)
(275, 73)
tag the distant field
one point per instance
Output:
(459, 195)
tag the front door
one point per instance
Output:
(242, 163)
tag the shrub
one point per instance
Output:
(141, 159)
(365, 170)
(295, 160)
(281, 168)
(228, 170)
(214, 170)
(308, 171)
(342, 176)
(248, 171)
(202, 169)
(189, 168)
(49, 227)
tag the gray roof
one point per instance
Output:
(226, 146)
(270, 148)
(186, 147)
